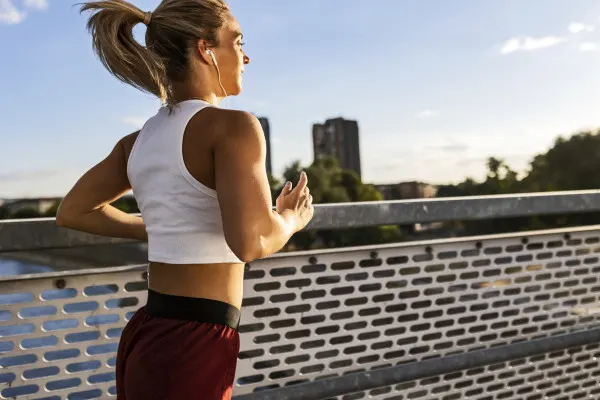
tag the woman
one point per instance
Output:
(198, 174)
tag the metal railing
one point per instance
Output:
(42, 233)
(490, 317)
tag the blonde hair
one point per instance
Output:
(172, 29)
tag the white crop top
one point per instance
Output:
(182, 216)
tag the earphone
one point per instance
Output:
(212, 55)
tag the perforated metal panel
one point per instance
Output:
(61, 343)
(564, 375)
(352, 311)
(310, 316)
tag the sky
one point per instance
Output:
(436, 86)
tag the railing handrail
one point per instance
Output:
(42, 233)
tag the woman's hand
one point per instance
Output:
(296, 200)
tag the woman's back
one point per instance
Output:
(182, 215)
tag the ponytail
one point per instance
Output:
(111, 26)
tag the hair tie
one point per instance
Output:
(147, 17)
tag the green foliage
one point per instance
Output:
(275, 185)
(570, 164)
(26, 212)
(501, 179)
(51, 212)
(127, 204)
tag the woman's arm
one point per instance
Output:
(87, 206)
(252, 228)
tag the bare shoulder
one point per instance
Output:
(224, 125)
(125, 144)
(237, 122)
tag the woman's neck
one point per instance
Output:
(194, 90)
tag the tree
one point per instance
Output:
(500, 179)
(570, 164)
(276, 186)
(26, 212)
(51, 212)
(494, 165)
(292, 172)
(127, 204)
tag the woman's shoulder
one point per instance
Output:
(125, 144)
(223, 124)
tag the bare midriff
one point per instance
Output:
(222, 282)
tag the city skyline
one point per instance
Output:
(433, 99)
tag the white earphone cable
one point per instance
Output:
(212, 55)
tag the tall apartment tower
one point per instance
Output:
(264, 122)
(338, 138)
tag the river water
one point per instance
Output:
(10, 267)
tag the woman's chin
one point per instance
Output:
(235, 90)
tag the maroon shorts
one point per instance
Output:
(178, 348)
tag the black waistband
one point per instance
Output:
(193, 309)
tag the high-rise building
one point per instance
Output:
(264, 122)
(338, 138)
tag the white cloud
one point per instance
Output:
(136, 122)
(529, 43)
(9, 14)
(589, 46)
(427, 114)
(578, 27)
(36, 4)
(511, 45)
